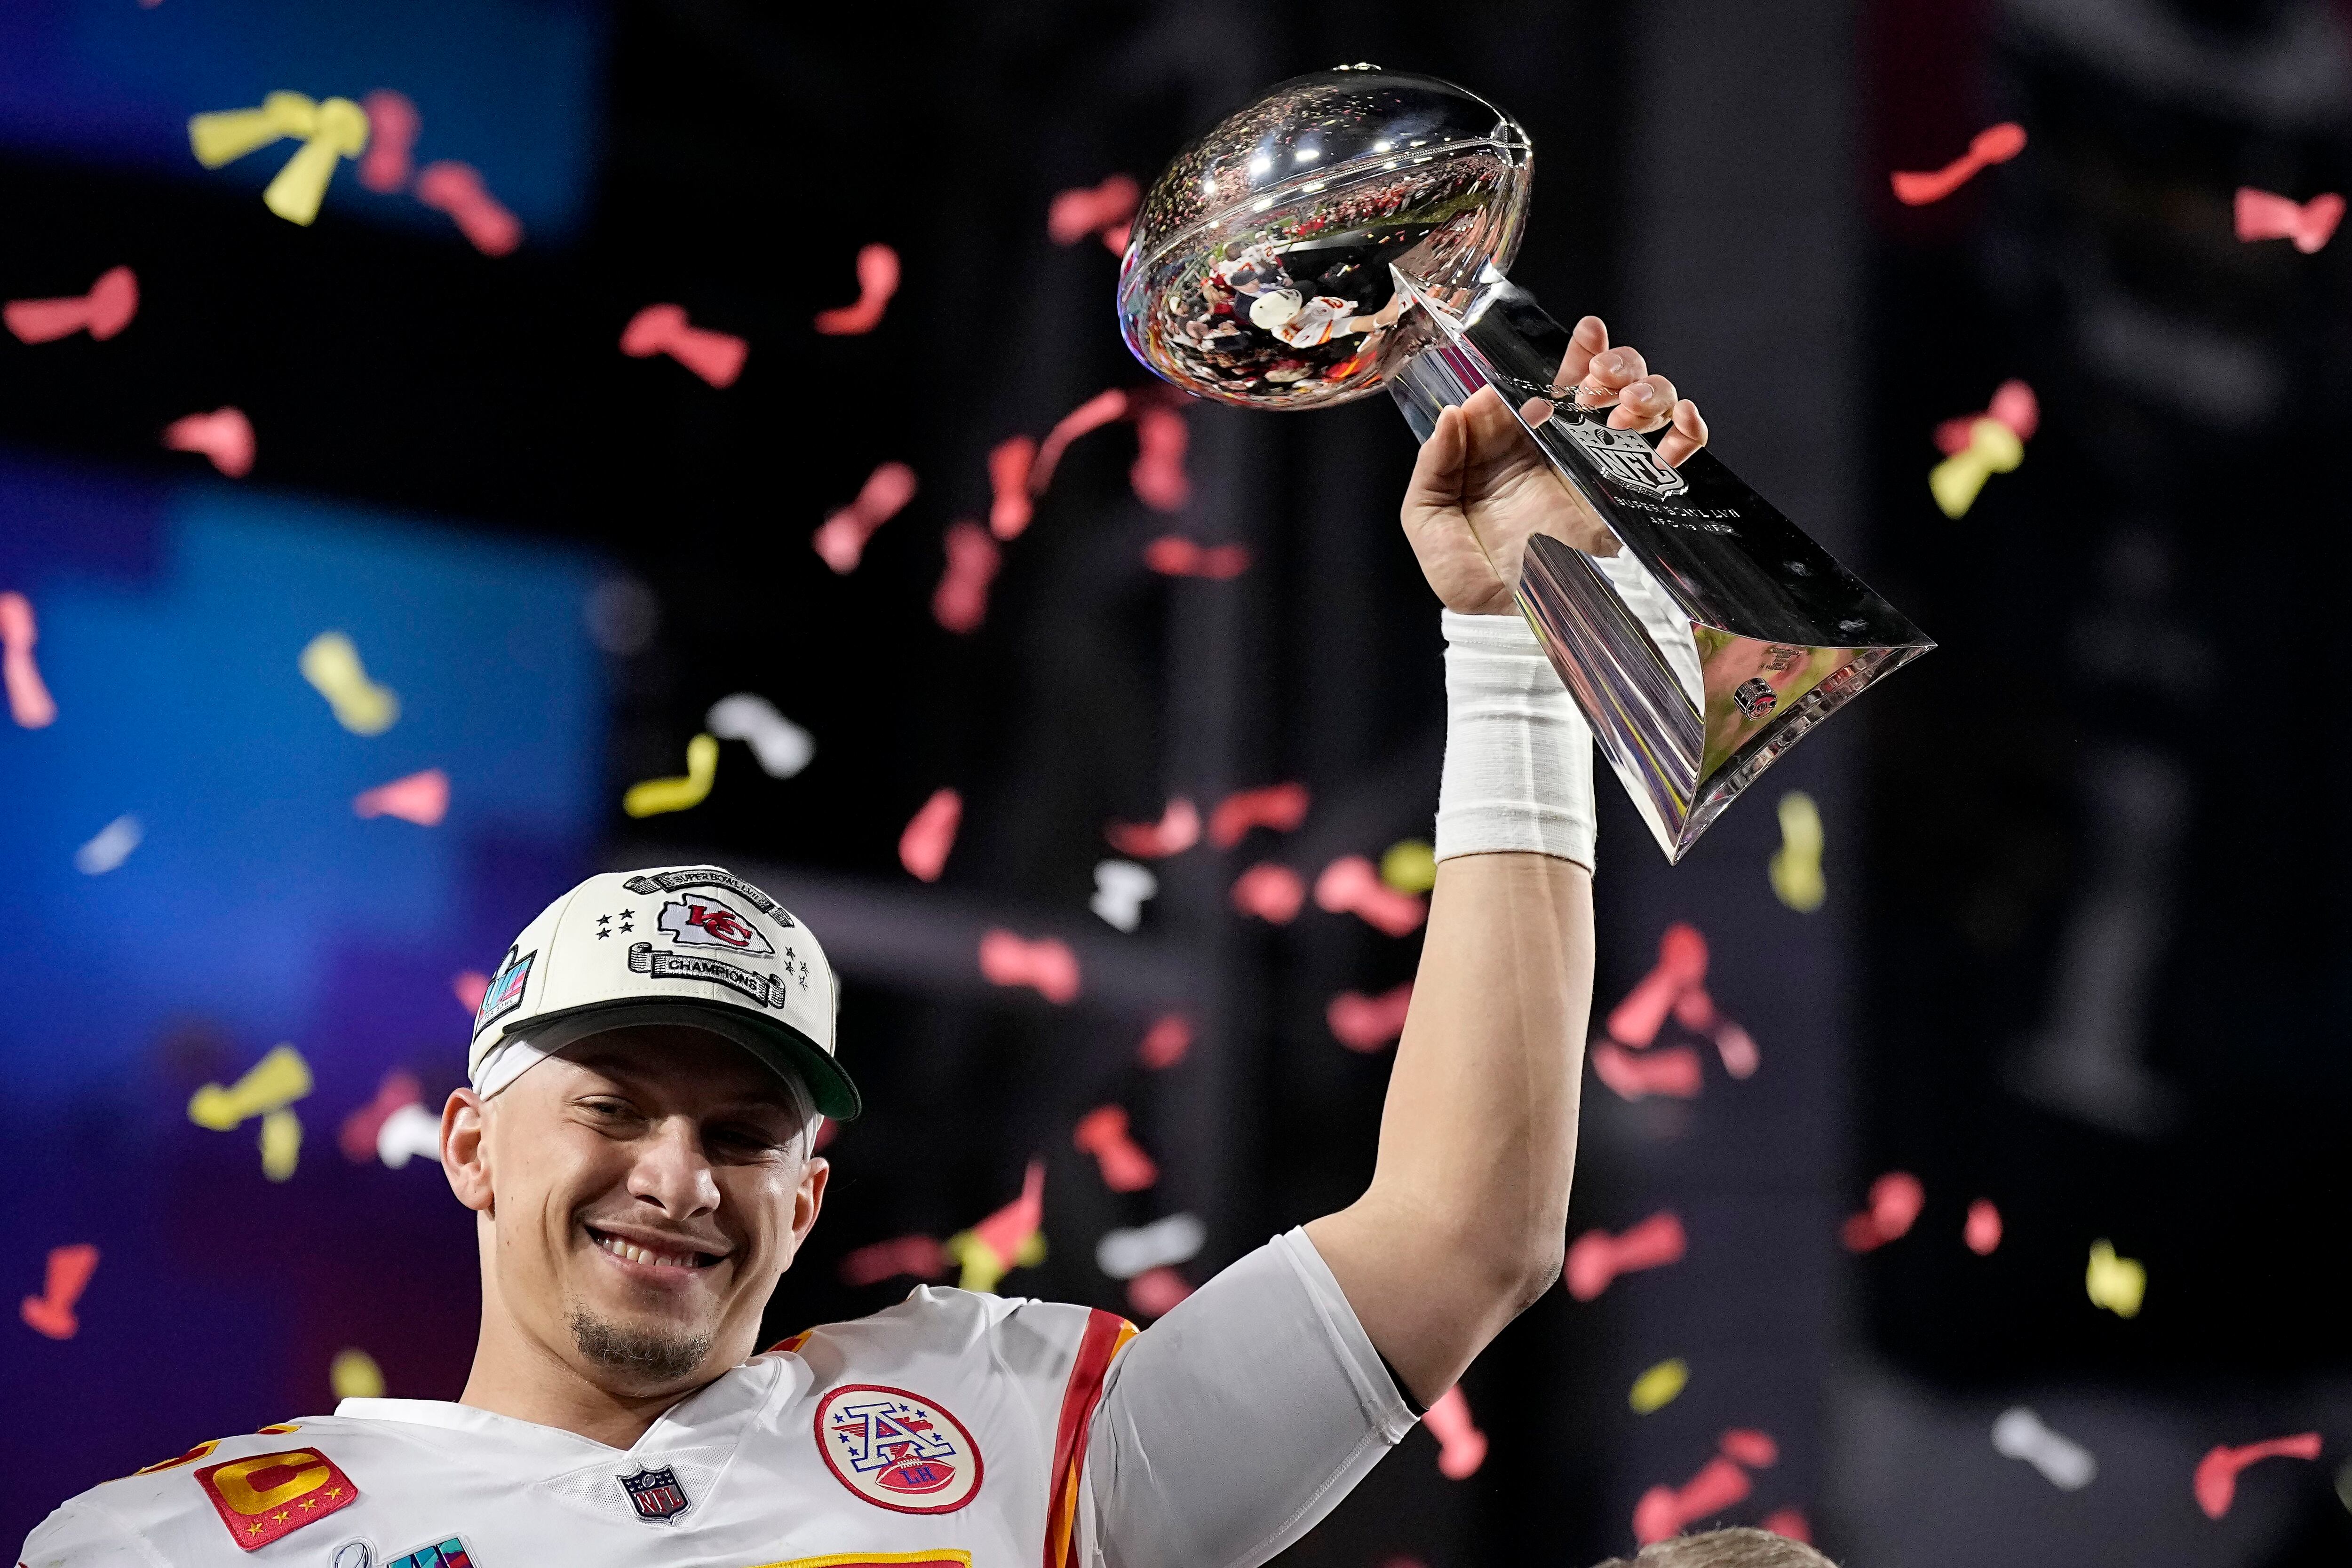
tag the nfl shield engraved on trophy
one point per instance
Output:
(1349, 232)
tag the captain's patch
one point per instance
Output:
(267, 1497)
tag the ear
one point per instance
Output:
(465, 1152)
(816, 1171)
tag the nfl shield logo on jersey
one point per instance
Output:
(897, 1451)
(656, 1494)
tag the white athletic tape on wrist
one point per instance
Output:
(1518, 757)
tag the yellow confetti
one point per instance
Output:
(355, 1375)
(331, 663)
(2116, 1283)
(282, 1144)
(274, 1082)
(982, 1268)
(1658, 1387)
(1795, 867)
(1993, 448)
(330, 131)
(656, 796)
(1410, 866)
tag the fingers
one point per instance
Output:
(1687, 436)
(1609, 372)
(1643, 405)
(1591, 336)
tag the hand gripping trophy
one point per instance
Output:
(1349, 231)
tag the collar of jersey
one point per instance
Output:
(716, 1411)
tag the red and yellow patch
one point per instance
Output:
(266, 1497)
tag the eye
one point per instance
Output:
(744, 1138)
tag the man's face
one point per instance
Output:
(646, 1189)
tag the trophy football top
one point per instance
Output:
(1258, 271)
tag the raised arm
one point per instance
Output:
(1463, 1225)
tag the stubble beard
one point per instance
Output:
(648, 1356)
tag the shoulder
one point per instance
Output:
(1015, 1335)
(144, 1517)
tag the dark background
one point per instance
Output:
(2084, 950)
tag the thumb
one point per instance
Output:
(1435, 487)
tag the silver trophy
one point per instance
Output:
(1349, 231)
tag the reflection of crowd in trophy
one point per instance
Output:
(1258, 323)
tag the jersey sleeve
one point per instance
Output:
(1230, 1427)
(80, 1536)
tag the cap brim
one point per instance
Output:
(781, 1047)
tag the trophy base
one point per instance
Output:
(1715, 636)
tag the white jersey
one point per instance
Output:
(955, 1430)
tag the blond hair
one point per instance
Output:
(1737, 1548)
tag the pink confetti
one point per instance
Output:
(1045, 966)
(469, 986)
(1737, 1049)
(1103, 209)
(2013, 405)
(1004, 1231)
(29, 703)
(841, 540)
(960, 603)
(1664, 1512)
(359, 1128)
(393, 125)
(716, 357)
(1173, 555)
(103, 312)
(917, 1255)
(1596, 1258)
(225, 436)
(1672, 1072)
(1789, 1523)
(1461, 1446)
(2216, 1482)
(1349, 886)
(51, 1312)
(1366, 1023)
(1993, 144)
(1155, 1292)
(1103, 1134)
(1178, 829)
(1281, 807)
(1682, 964)
(2265, 214)
(420, 797)
(878, 280)
(1009, 462)
(1896, 1200)
(931, 834)
(457, 190)
(1158, 476)
(1982, 1231)
(1103, 408)
(1746, 1446)
(1165, 1042)
(1271, 891)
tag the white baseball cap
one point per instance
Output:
(693, 946)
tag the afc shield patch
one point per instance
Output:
(656, 1494)
(897, 1451)
(267, 1497)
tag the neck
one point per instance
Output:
(515, 1374)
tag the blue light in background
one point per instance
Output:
(512, 87)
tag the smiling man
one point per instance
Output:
(646, 1074)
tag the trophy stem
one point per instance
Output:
(1715, 636)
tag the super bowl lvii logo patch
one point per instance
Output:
(897, 1451)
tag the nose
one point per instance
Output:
(672, 1173)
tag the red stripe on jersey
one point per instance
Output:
(1107, 1334)
(788, 1346)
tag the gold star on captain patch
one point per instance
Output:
(310, 1502)
(253, 1529)
(334, 1491)
(281, 1517)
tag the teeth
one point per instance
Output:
(636, 1254)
